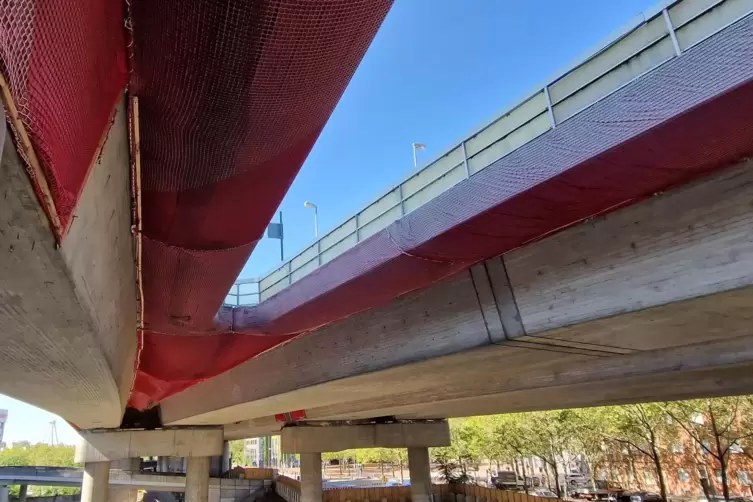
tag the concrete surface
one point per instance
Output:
(197, 479)
(316, 439)
(659, 288)
(311, 477)
(53, 355)
(97, 446)
(99, 254)
(420, 474)
(96, 483)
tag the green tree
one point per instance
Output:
(513, 440)
(25, 454)
(716, 426)
(238, 453)
(550, 436)
(644, 428)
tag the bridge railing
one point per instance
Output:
(645, 43)
(244, 292)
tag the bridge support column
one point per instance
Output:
(22, 493)
(3, 494)
(95, 485)
(197, 479)
(226, 457)
(420, 474)
(311, 477)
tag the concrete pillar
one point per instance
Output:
(225, 456)
(96, 482)
(3, 494)
(420, 474)
(197, 479)
(22, 493)
(311, 477)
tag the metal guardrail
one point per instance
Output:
(644, 44)
(243, 293)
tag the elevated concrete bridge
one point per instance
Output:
(593, 245)
(125, 483)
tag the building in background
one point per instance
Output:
(263, 451)
(3, 419)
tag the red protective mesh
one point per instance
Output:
(232, 96)
(65, 65)
(685, 119)
(692, 115)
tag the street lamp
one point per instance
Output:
(416, 147)
(311, 205)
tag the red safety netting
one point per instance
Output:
(685, 119)
(65, 65)
(232, 96)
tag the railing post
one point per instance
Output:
(671, 30)
(290, 273)
(319, 252)
(402, 201)
(465, 161)
(549, 107)
(358, 227)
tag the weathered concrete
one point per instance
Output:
(586, 305)
(99, 254)
(95, 446)
(312, 438)
(95, 486)
(128, 464)
(311, 477)
(68, 315)
(420, 474)
(197, 479)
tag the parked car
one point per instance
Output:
(507, 480)
(545, 493)
(639, 497)
(600, 490)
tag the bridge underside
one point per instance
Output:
(68, 312)
(650, 302)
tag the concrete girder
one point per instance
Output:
(673, 270)
(68, 312)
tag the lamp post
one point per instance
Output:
(416, 147)
(311, 205)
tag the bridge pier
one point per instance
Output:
(95, 485)
(311, 477)
(420, 474)
(97, 449)
(22, 493)
(197, 479)
(3, 494)
(310, 440)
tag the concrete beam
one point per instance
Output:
(699, 370)
(325, 438)
(68, 314)
(255, 427)
(97, 446)
(673, 270)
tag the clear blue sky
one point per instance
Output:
(436, 71)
